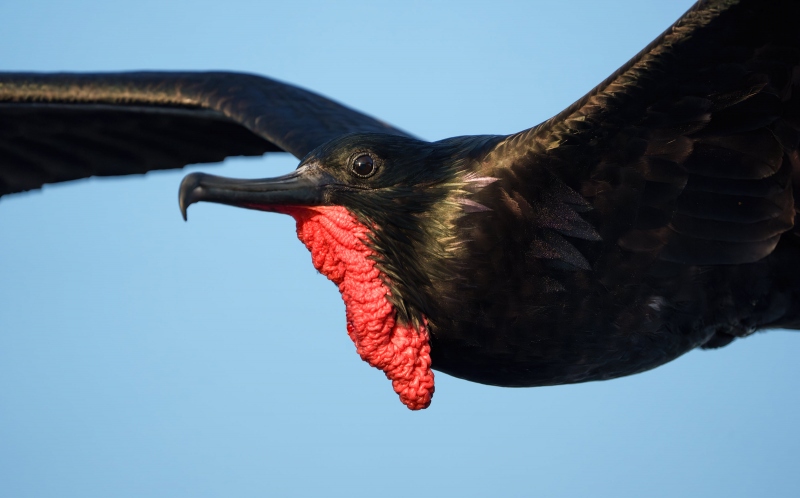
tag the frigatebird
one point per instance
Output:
(653, 216)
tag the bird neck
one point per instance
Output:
(339, 248)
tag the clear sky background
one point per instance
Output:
(144, 356)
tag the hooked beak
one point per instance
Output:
(304, 186)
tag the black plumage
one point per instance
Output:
(653, 216)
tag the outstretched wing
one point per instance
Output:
(686, 153)
(59, 127)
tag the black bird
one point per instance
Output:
(653, 216)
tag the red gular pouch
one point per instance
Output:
(337, 241)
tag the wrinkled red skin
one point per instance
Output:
(336, 240)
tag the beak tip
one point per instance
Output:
(187, 193)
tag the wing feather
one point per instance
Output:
(59, 127)
(686, 153)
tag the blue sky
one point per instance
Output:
(144, 356)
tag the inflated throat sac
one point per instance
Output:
(336, 240)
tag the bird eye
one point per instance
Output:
(364, 166)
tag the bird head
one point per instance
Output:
(378, 214)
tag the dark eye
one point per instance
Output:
(363, 166)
